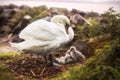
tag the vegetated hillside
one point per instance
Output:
(104, 64)
(98, 38)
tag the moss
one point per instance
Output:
(41, 15)
(7, 54)
(5, 75)
(105, 73)
(62, 10)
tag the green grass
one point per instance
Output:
(7, 54)
(5, 75)
(6, 57)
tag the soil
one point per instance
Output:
(35, 66)
(5, 47)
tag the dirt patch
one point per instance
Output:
(5, 47)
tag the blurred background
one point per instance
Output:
(85, 5)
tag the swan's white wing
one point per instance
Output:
(42, 30)
(38, 46)
(33, 45)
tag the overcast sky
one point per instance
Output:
(84, 5)
(81, 1)
(70, 0)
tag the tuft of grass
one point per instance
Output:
(5, 75)
(7, 54)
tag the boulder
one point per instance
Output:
(77, 19)
(6, 29)
(1, 9)
(6, 13)
(75, 11)
(12, 6)
(21, 25)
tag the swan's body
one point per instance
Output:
(43, 37)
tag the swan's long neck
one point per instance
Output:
(62, 25)
(71, 34)
(61, 21)
(67, 31)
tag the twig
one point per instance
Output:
(23, 62)
(32, 72)
(42, 71)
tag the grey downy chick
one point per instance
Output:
(72, 55)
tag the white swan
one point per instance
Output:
(43, 37)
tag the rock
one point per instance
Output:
(24, 7)
(55, 11)
(27, 17)
(7, 13)
(15, 10)
(82, 14)
(77, 19)
(1, 32)
(92, 14)
(3, 21)
(6, 28)
(21, 25)
(1, 9)
(75, 11)
(11, 6)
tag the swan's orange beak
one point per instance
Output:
(66, 28)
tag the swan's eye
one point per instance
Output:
(67, 25)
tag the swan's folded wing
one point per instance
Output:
(42, 30)
(33, 45)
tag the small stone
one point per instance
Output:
(28, 17)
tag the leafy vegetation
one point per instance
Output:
(34, 11)
(104, 65)
(108, 22)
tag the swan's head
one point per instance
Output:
(62, 20)
(65, 23)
